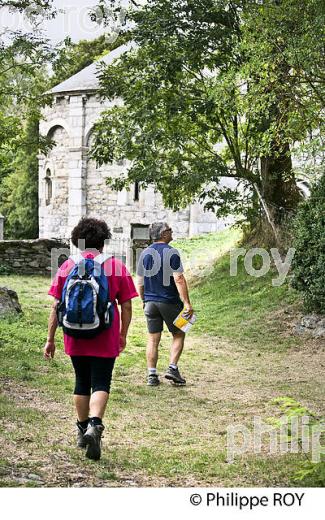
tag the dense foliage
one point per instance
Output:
(216, 89)
(309, 260)
(19, 189)
(23, 55)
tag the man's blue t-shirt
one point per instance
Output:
(157, 264)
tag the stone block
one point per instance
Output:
(9, 303)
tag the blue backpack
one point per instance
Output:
(85, 308)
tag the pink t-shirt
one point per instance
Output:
(121, 288)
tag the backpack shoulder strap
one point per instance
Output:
(77, 258)
(100, 259)
(80, 263)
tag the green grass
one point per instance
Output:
(241, 308)
(238, 358)
(202, 246)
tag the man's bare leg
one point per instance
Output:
(152, 349)
(152, 358)
(177, 347)
(172, 373)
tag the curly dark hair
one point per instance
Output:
(93, 231)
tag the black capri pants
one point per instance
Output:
(92, 373)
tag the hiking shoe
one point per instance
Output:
(81, 443)
(174, 376)
(153, 380)
(92, 439)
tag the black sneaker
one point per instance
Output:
(81, 443)
(153, 380)
(92, 439)
(174, 376)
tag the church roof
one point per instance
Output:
(87, 78)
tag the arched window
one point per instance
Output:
(48, 187)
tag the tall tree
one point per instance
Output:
(281, 40)
(208, 93)
(19, 164)
(19, 189)
(23, 57)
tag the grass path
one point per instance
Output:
(162, 436)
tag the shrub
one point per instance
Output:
(309, 241)
(6, 270)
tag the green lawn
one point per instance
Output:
(239, 357)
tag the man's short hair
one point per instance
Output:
(93, 231)
(156, 229)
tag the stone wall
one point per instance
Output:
(28, 256)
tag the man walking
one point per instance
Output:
(163, 289)
(93, 358)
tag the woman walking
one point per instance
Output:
(92, 346)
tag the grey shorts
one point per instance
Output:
(159, 312)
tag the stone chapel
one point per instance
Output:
(71, 186)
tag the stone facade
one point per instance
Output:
(29, 256)
(71, 186)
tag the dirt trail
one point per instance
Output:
(237, 385)
(39, 463)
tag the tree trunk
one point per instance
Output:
(279, 188)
